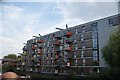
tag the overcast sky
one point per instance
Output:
(21, 20)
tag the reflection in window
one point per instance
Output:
(95, 55)
(94, 43)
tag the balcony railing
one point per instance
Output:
(24, 54)
(68, 41)
(68, 34)
(33, 48)
(58, 37)
(39, 52)
(19, 59)
(56, 57)
(57, 43)
(67, 48)
(40, 41)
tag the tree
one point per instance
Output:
(7, 67)
(10, 56)
(111, 52)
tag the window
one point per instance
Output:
(76, 61)
(76, 46)
(83, 62)
(60, 47)
(95, 55)
(75, 38)
(82, 37)
(75, 54)
(83, 44)
(94, 43)
(94, 26)
(76, 31)
(110, 22)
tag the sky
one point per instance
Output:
(22, 20)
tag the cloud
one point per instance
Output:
(17, 28)
(19, 24)
(86, 11)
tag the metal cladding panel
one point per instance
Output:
(79, 63)
(72, 63)
(86, 71)
(79, 29)
(87, 35)
(88, 53)
(72, 46)
(89, 62)
(50, 49)
(88, 44)
(78, 53)
(88, 27)
(78, 37)
(115, 21)
(79, 44)
(72, 30)
(72, 38)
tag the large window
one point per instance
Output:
(110, 21)
(95, 55)
(95, 43)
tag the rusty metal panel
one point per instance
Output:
(88, 53)
(78, 53)
(88, 44)
(88, 27)
(79, 44)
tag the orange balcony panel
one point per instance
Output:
(68, 33)
(57, 42)
(39, 52)
(56, 57)
(69, 48)
(33, 47)
(40, 41)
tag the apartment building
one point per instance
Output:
(76, 49)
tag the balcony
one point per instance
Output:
(18, 68)
(68, 64)
(68, 34)
(24, 54)
(23, 64)
(68, 41)
(40, 46)
(33, 48)
(32, 58)
(57, 43)
(19, 59)
(24, 48)
(34, 42)
(69, 56)
(58, 37)
(56, 57)
(40, 41)
(39, 52)
(67, 48)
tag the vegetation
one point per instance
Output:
(7, 67)
(111, 52)
(10, 56)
